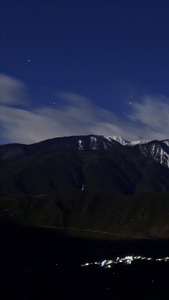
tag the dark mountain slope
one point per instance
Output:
(116, 171)
(90, 142)
(92, 214)
(158, 150)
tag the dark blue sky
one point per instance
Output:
(114, 53)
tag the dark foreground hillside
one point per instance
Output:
(45, 264)
(87, 213)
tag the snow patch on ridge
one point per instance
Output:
(163, 157)
(166, 142)
(157, 151)
(81, 147)
(93, 142)
(139, 142)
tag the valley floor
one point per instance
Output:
(44, 264)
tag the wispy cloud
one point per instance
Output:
(152, 114)
(13, 91)
(149, 117)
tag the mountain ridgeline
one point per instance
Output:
(88, 182)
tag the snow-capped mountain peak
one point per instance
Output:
(124, 142)
(157, 150)
(118, 139)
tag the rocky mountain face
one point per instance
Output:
(85, 181)
(157, 150)
(101, 163)
(91, 142)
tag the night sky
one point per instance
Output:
(80, 67)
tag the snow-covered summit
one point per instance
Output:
(118, 139)
(158, 150)
(124, 142)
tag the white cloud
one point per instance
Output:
(81, 117)
(77, 115)
(152, 114)
(13, 91)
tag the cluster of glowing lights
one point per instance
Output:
(106, 264)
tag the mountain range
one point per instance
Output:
(93, 183)
(158, 150)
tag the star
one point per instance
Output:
(29, 60)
